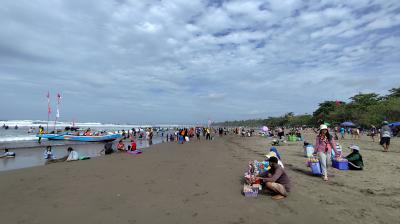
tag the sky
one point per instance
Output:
(180, 61)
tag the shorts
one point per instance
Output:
(385, 141)
(279, 188)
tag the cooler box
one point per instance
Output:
(340, 164)
(309, 151)
(316, 168)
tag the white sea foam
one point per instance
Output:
(19, 138)
(37, 123)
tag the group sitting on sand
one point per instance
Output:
(132, 148)
(72, 156)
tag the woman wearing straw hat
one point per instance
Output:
(323, 146)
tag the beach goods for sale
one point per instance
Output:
(315, 166)
(250, 191)
(340, 164)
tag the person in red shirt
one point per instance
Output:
(133, 145)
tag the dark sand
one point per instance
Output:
(200, 183)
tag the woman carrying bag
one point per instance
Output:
(323, 146)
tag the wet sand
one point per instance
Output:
(200, 182)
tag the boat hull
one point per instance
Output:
(103, 138)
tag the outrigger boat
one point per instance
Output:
(82, 138)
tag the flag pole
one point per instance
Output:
(58, 110)
(48, 111)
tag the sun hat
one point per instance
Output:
(323, 126)
(271, 154)
(354, 147)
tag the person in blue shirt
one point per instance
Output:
(342, 131)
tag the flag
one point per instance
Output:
(58, 98)
(48, 103)
(58, 104)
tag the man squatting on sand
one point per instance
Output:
(276, 179)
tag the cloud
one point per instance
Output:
(190, 61)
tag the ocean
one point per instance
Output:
(30, 153)
(22, 133)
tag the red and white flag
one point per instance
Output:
(48, 103)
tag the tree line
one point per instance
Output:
(363, 109)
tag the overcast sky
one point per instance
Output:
(192, 60)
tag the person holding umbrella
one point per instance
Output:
(323, 148)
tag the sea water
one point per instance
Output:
(30, 152)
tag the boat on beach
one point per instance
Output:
(82, 138)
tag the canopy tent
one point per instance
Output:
(395, 124)
(348, 124)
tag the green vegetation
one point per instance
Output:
(364, 109)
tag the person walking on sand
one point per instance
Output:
(342, 132)
(373, 132)
(276, 179)
(323, 146)
(386, 134)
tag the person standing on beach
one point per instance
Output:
(386, 134)
(208, 134)
(373, 133)
(342, 132)
(198, 134)
(41, 132)
(323, 146)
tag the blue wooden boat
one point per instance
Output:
(51, 136)
(82, 138)
(102, 138)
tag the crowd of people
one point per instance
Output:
(132, 136)
(325, 150)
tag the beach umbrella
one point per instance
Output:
(395, 124)
(264, 129)
(348, 124)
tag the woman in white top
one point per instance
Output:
(73, 155)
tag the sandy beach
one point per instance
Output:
(201, 182)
